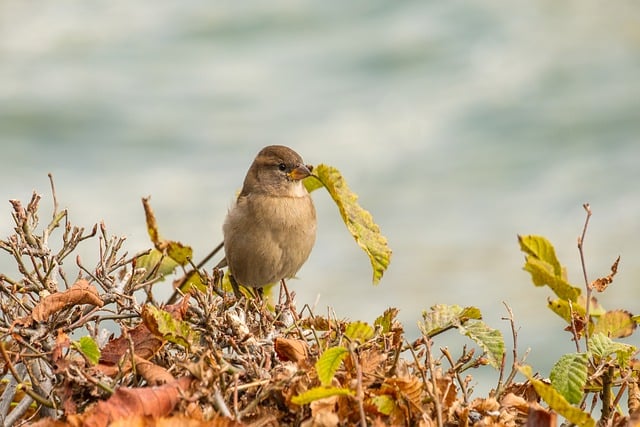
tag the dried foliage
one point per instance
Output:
(212, 359)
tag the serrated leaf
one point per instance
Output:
(557, 402)
(545, 269)
(359, 222)
(442, 317)
(359, 331)
(603, 347)
(318, 393)
(569, 376)
(163, 324)
(385, 321)
(89, 349)
(615, 324)
(489, 339)
(329, 362)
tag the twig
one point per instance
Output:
(576, 338)
(359, 391)
(35, 396)
(53, 194)
(455, 368)
(187, 276)
(434, 384)
(584, 273)
(515, 362)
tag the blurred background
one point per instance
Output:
(459, 125)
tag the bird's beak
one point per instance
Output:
(300, 172)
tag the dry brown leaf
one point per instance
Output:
(409, 388)
(134, 402)
(540, 417)
(80, 293)
(291, 350)
(152, 373)
(601, 283)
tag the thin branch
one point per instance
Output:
(587, 208)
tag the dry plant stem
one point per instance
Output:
(176, 293)
(432, 370)
(514, 364)
(10, 391)
(576, 338)
(463, 386)
(35, 396)
(607, 379)
(359, 392)
(587, 208)
(219, 400)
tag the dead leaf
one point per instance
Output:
(291, 350)
(540, 417)
(80, 293)
(152, 373)
(601, 283)
(129, 402)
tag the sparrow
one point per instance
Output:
(271, 228)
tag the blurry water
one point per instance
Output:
(459, 124)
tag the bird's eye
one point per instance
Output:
(282, 167)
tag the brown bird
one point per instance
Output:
(270, 230)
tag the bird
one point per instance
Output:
(270, 230)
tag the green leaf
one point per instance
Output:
(569, 376)
(318, 393)
(561, 308)
(329, 362)
(489, 339)
(442, 317)
(557, 402)
(89, 349)
(384, 403)
(156, 263)
(615, 324)
(162, 323)
(385, 321)
(544, 267)
(359, 331)
(603, 347)
(359, 222)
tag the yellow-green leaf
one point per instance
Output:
(615, 324)
(384, 403)
(603, 347)
(442, 317)
(489, 339)
(557, 402)
(180, 253)
(329, 362)
(544, 267)
(541, 248)
(162, 323)
(569, 376)
(318, 393)
(359, 222)
(359, 331)
(89, 349)
(385, 321)
(156, 264)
